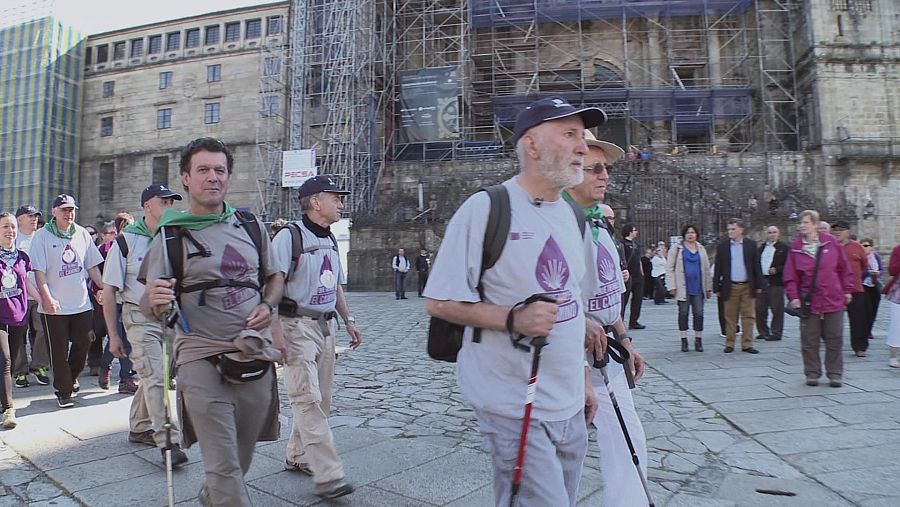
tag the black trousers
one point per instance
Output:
(858, 314)
(68, 362)
(771, 298)
(634, 291)
(423, 279)
(659, 291)
(873, 298)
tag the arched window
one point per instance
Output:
(604, 75)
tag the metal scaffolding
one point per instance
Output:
(270, 129)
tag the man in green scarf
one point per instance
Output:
(120, 275)
(61, 252)
(221, 308)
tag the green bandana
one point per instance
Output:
(194, 222)
(51, 226)
(139, 228)
(591, 214)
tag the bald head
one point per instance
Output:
(824, 226)
(772, 234)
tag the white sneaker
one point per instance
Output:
(9, 418)
(894, 362)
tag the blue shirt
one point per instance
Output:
(692, 273)
(738, 269)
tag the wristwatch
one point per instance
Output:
(271, 308)
(350, 318)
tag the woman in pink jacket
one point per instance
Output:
(892, 294)
(830, 296)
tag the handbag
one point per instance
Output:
(805, 309)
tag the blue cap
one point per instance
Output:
(321, 183)
(555, 108)
(158, 190)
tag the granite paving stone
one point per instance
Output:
(719, 428)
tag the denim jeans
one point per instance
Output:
(695, 305)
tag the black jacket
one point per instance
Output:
(632, 257)
(422, 263)
(722, 271)
(781, 251)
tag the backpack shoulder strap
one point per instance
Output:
(296, 247)
(172, 235)
(495, 235)
(580, 220)
(123, 245)
(251, 225)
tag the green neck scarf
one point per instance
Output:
(51, 226)
(591, 214)
(139, 228)
(194, 222)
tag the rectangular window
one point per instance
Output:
(106, 126)
(212, 35)
(102, 53)
(270, 106)
(155, 44)
(192, 38)
(254, 29)
(211, 113)
(213, 73)
(164, 119)
(232, 31)
(137, 47)
(119, 50)
(161, 170)
(87, 56)
(272, 66)
(109, 89)
(165, 80)
(173, 41)
(273, 25)
(107, 177)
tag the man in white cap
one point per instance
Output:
(60, 254)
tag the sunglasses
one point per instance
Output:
(866, 245)
(598, 168)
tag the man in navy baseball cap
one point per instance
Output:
(555, 108)
(158, 190)
(64, 201)
(321, 183)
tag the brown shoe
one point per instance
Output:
(105, 376)
(144, 437)
(127, 386)
(178, 456)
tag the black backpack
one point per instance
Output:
(123, 245)
(297, 247)
(445, 339)
(175, 247)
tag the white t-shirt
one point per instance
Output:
(122, 272)
(65, 263)
(604, 297)
(315, 281)
(23, 243)
(544, 253)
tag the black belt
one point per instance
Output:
(739, 283)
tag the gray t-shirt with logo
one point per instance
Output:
(605, 286)
(233, 256)
(65, 263)
(544, 253)
(314, 283)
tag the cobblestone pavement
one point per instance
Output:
(723, 429)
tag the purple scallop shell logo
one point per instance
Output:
(606, 268)
(234, 266)
(552, 271)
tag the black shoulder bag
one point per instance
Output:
(805, 309)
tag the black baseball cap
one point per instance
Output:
(158, 190)
(555, 108)
(64, 201)
(27, 209)
(322, 183)
(840, 225)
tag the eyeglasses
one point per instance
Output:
(866, 245)
(597, 168)
(92, 233)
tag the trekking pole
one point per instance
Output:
(620, 354)
(537, 343)
(168, 324)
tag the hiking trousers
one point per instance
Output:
(622, 485)
(148, 410)
(554, 458)
(227, 420)
(308, 380)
